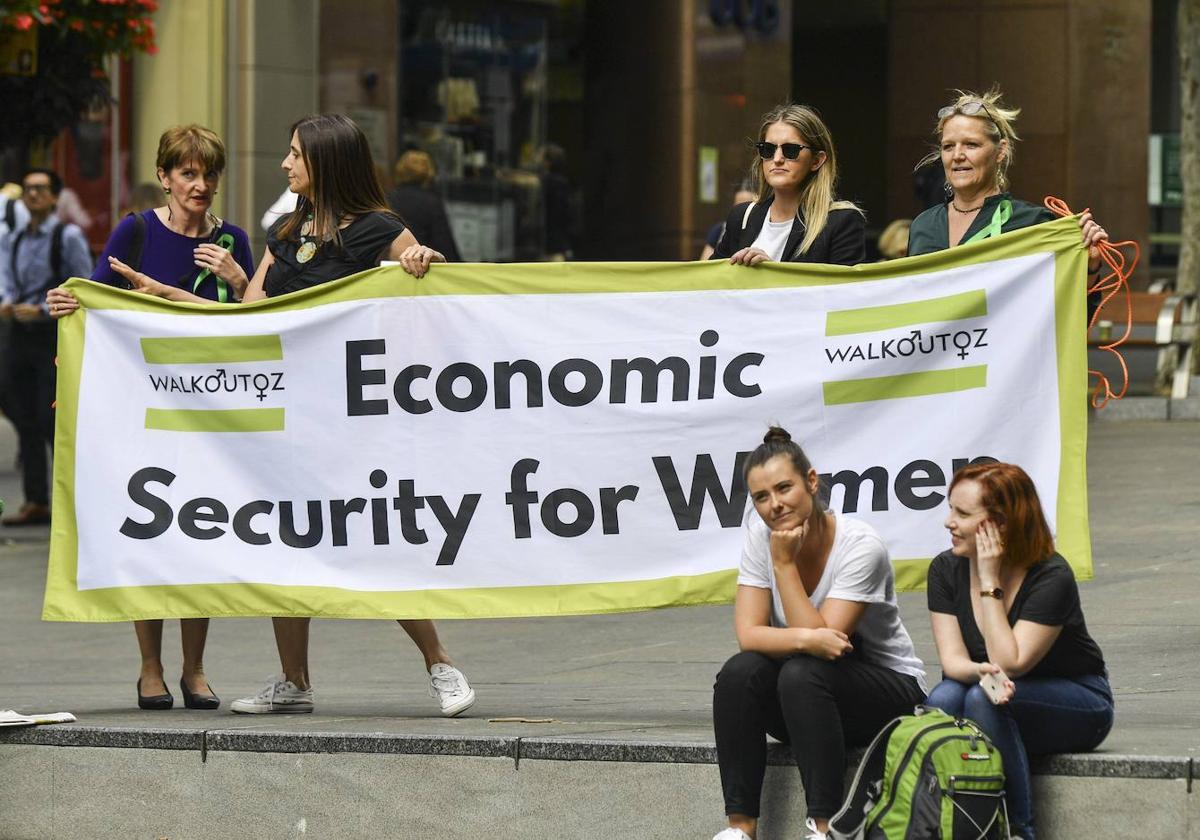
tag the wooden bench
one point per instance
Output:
(1163, 320)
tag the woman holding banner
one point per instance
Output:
(796, 216)
(210, 260)
(825, 661)
(976, 142)
(341, 226)
(1015, 651)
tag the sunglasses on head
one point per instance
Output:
(970, 108)
(791, 151)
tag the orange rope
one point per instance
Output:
(1108, 285)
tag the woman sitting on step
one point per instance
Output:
(825, 660)
(1005, 603)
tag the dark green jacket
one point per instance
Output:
(930, 231)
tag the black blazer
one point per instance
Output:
(842, 242)
(424, 214)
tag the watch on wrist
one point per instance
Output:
(995, 592)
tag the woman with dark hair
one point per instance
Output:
(796, 216)
(1005, 606)
(341, 226)
(825, 660)
(199, 257)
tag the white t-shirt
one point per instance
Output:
(858, 570)
(773, 237)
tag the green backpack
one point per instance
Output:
(926, 776)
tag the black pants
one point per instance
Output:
(27, 378)
(817, 707)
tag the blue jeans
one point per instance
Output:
(1045, 715)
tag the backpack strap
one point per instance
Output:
(137, 242)
(16, 278)
(849, 822)
(56, 252)
(746, 215)
(10, 214)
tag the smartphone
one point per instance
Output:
(993, 686)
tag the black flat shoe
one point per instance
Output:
(157, 703)
(198, 701)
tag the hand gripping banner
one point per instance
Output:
(520, 440)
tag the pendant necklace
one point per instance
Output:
(308, 247)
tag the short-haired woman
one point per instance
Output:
(182, 243)
(1002, 600)
(796, 216)
(196, 253)
(825, 661)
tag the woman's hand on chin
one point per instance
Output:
(142, 283)
(749, 256)
(785, 544)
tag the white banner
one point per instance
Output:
(536, 452)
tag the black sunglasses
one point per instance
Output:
(791, 151)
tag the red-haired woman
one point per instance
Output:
(1003, 600)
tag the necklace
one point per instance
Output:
(308, 247)
(968, 210)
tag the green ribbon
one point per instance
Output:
(225, 241)
(999, 218)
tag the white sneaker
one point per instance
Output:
(731, 833)
(280, 696)
(448, 685)
(810, 826)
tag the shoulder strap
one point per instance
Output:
(10, 214)
(746, 216)
(56, 249)
(16, 278)
(133, 257)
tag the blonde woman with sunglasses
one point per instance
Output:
(796, 215)
(976, 141)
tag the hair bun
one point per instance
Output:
(777, 434)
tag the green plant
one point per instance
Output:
(73, 38)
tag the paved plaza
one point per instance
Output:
(642, 676)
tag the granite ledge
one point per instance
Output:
(69, 735)
(1093, 765)
(242, 740)
(1103, 765)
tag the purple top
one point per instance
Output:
(167, 255)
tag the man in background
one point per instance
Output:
(34, 258)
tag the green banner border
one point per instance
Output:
(65, 602)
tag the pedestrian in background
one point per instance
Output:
(34, 259)
(743, 195)
(796, 216)
(415, 202)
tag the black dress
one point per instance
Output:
(364, 243)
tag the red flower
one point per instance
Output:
(23, 22)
